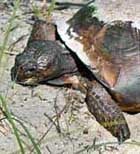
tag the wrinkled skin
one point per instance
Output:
(46, 61)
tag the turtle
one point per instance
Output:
(45, 60)
(110, 49)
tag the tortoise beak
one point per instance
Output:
(31, 81)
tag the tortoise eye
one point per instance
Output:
(31, 69)
(27, 69)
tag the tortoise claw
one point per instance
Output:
(123, 134)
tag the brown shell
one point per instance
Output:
(114, 52)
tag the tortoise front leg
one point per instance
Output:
(106, 112)
(101, 105)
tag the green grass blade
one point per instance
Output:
(9, 118)
(51, 7)
(8, 30)
(30, 136)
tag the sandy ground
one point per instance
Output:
(57, 117)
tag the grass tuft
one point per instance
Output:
(9, 28)
(10, 119)
(43, 12)
(3, 60)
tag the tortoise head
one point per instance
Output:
(39, 62)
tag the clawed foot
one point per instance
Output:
(123, 133)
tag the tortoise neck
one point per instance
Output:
(42, 30)
(68, 64)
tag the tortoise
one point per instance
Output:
(111, 55)
(45, 60)
(110, 49)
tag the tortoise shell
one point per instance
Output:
(110, 49)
